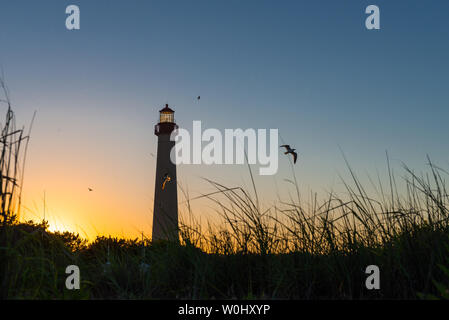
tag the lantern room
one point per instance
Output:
(166, 123)
(166, 115)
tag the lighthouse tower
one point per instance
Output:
(165, 212)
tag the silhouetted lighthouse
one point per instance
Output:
(165, 212)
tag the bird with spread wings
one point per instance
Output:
(291, 151)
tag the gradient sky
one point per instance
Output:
(309, 68)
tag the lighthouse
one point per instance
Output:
(165, 212)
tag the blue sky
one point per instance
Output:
(309, 68)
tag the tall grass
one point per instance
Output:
(286, 251)
(13, 145)
(334, 225)
(321, 249)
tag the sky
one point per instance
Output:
(308, 68)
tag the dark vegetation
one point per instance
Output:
(289, 251)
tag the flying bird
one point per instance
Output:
(90, 189)
(291, 151)
(199, 97)
(166, 179)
